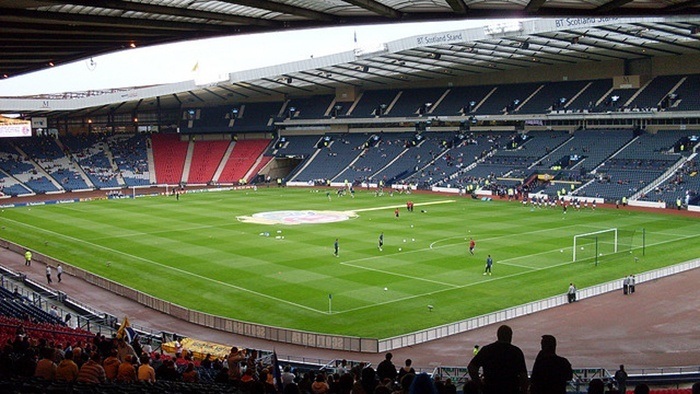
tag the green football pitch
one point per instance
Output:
(198, 252)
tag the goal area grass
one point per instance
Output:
(234, 254)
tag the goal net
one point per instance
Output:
(598, 245)
(591, 246)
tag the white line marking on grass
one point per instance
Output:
(403, 205)
(395, 274)
(171, 268)
(490, 279)
(432, 245)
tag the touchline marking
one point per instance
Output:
(401, 206)
(454, 287)
(170, 267)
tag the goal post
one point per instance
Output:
(594, 244)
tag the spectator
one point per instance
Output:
(641, 388)
(621, 379)
(46, 368)
(503, 364)
(406, 369)
(111, 365)
(126, 372)
(67, 369)
(146, 373)
(596, 386)
(92, 371)
(191, 375)
(550, 372)
(320, 386)
(422, 384)
(386, 369)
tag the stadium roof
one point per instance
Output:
(413, 61)
(38, 34)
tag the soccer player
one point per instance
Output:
(381, 241)
(396, 213)
(472, 245)
(336, 248)
(489, 263)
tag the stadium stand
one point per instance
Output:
(91, 152)
(310, 107)
(685, 98)
(375, 103)
(206, 158)
(129, 153)
(46, 152)
(169, 153)
(243, 158)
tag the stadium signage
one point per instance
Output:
(570, 22)
(439, 38)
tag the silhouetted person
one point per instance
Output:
(641, 388)
(551, 372)
(596, 386)
(621, 379)
(503, 364)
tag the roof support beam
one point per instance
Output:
(377, 8)
(611, 5)
(164, 10)
(681, 6)
(47, 17)
(458, 6)
(534, 6)
(285, 9)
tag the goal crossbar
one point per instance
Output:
(594, 233)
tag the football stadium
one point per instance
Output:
(320, 216)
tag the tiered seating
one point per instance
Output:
(256, 117)
(332, 160)
(507, 98)
(371, 101)
(448, 170)
(416, 157)
(376, 155)
(655, 92)
(10, 186)
(90, 151)
(169, 155)
(298, 145)
(129, 153)
(23, 170)
(243, 157)
(206, 158)
(586, 101)
(551, 95)
(459, 98)
(616, 100)
(525, 150)
(687, 94)
(46, 152)
(207, 120)
(684, 184)
(413, 102)
(311, 107)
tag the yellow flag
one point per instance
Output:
(121, 332)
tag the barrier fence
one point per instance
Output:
(340, 342)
